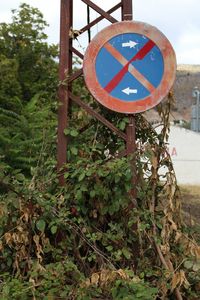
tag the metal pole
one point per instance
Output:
(127, 10)
(198, 95)
(65, 68)
(127, 15)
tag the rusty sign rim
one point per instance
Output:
(136, 106)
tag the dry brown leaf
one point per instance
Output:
(31, 280)
(112, 276)
(87, 283)
(179, 279)
(197, 252)
(122, 274)
(95, 279)
(165, 249)
(25, 215)
(1, 246)
(104, 276)
(39, 251)
(175, 281)
(178, 236)
(8, 238)
(2, 210)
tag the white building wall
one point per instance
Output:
(184, 148)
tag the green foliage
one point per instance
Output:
(101, 235)
(25, 137)
(10, 89)
(133, 291)
(28, 73)
(24, 41)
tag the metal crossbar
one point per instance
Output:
(65, 69)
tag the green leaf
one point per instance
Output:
(188, 264)
(117, 179)
(92, 193)
(81, 176)
(66, 175)
(20, 177)
(6, 290)
(196, 266)
(66, 131)
(109, 248)
(122, 125)
(74, 132)
(89, 172)
(126, 253)
(9, 261)
(40, 224)
(74, 150)
(78, 194)
(54, 229)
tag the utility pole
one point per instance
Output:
(127, 15)
(195, 124)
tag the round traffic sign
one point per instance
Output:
(129, 67)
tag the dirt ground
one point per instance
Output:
(191, 207)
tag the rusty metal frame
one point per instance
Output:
(67, 77)
(65, 67)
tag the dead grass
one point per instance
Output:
(193, 190)
(191, 207)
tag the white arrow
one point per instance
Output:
(129, 91)
(130, 44)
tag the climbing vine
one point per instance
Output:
(93, 238)
(114, 230)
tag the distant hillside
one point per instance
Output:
(189, 68)
(188, 76)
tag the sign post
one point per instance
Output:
(129, 67)
(127, 15)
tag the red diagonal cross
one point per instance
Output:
(140, 55)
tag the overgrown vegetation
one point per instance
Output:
(92, 238)
(28, 75)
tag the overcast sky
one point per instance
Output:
(179, 20)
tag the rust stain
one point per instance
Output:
(157, 94)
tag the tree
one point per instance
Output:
(25, 41)
(10, 88)
(28, 86)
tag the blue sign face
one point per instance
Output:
(129, 67)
